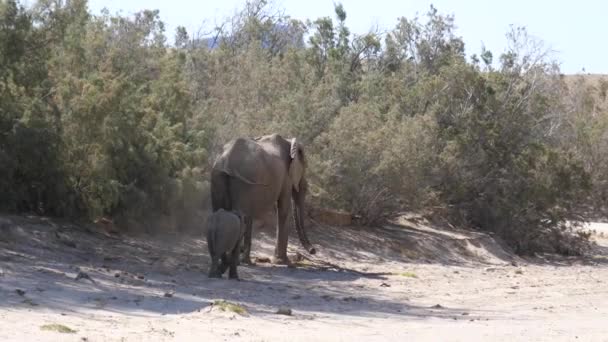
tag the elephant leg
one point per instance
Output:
(224, 265)
(213, 270)
(234, 257)
(280, 251)
(246, 252)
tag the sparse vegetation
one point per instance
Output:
(58, 328)
(230, 307)
(101, 116)
(407, 274)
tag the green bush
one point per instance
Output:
(376, 165)
(99, 115)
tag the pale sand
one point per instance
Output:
(387, 288)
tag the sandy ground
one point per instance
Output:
(403, 281)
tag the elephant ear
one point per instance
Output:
(297, 164)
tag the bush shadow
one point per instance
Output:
(151, 276)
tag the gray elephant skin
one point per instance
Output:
(256, 175)
(225, 231)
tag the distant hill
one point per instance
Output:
(279, 34)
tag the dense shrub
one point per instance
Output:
(101, 116)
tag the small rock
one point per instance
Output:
(327, 297)
(385, 285)
(168, 294)
(283, 310)
(20, 292)
(83, 275)
(140, 276)
(490, 269)
(64, 239)
(465, 313)
(519, 272)
(437, 306)
(296, 297)
(514, 263)
(116, 275)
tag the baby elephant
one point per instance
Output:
(225, 230)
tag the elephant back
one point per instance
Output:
(246, 160)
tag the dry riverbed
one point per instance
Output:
(403, 281)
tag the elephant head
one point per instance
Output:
(297, 168)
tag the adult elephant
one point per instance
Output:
(254, 176)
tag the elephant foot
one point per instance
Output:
(281, 260)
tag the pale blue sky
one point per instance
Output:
(576, 30)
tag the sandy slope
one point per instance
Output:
(402, 281)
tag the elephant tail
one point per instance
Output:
(220, 191)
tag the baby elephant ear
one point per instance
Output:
(296, 167)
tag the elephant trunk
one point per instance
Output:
(298, 217)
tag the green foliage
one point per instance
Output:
(99, 115)
(408, 274)
(29, 135)
(60, 328)
(100, 125)
(583, 132)
(231, 307)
